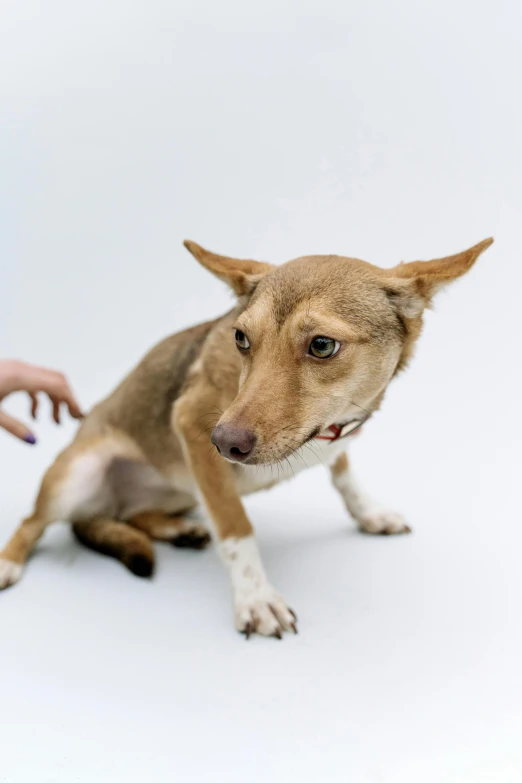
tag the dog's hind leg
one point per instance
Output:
(73, 488)
(25, 538)
(131, 547)
(369, 516)
(18, 548)
(176, 529)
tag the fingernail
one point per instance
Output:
(30, 439)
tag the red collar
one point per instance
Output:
(337, 431)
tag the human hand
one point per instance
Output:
(18, 376)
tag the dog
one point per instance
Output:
(282, 380)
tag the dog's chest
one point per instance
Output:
(252, 478)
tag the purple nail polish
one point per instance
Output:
(30, 439)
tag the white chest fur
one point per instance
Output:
(251, 478)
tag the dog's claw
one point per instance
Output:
(263, 612)
(294, 627)
(293, 614)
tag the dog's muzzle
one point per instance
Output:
(234, 443)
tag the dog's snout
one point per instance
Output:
(235, 443)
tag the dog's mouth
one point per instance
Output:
(267, 455)
(242, 445)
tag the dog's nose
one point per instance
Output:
(233, 442)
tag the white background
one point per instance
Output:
(388, 131)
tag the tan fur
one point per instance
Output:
(20, 545)
(340, 465)
(214, 478)
(113, 538)
(178, 530)
(144, 454)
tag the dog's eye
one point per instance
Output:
(323, 347)
(242, 340)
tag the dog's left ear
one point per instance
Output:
(413, 285)
(241, 275)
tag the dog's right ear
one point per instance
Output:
(241, 275)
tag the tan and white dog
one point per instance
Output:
(236, 405)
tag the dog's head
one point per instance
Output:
(320, 338)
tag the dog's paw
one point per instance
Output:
(384, 523)
(190, 535)
(10, 573)
(265, 612)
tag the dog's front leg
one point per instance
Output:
(258, 607)
(369, 516)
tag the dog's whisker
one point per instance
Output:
(210, 413)
(316, 456)
(361, 407)
(290, 466)
(297, 454)
(205, 429)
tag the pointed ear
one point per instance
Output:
(413, 285)
(241, 275)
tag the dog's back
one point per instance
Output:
(141, 404)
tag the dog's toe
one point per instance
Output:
(384, 523)
(10, 573)
(191, 535)
(264, 612)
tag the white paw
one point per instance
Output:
(263, 611)
(385, 523)
(10, 573)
